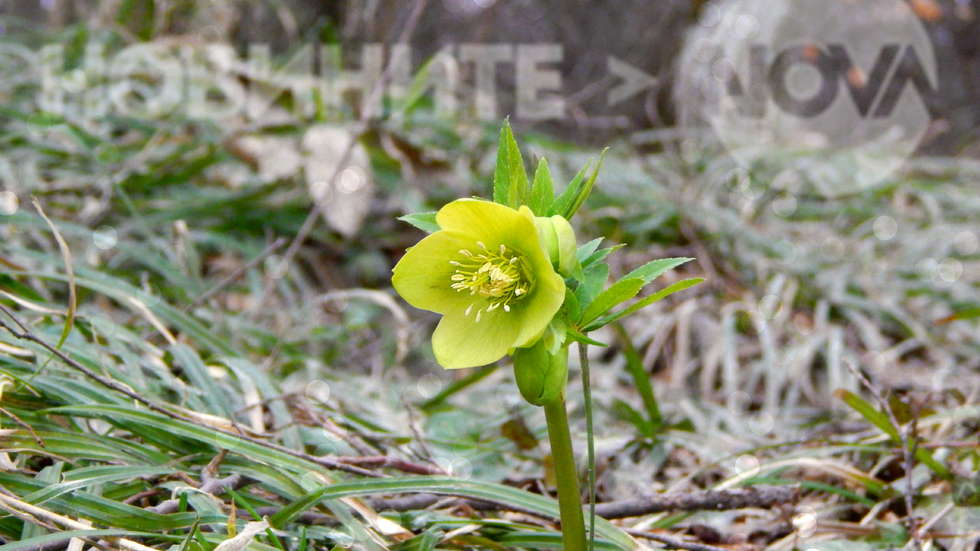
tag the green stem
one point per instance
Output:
(583, 353)
(566, 476)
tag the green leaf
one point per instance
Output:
(619, 292)
(565, 200)
(592, 284)
(641, 380)
(585, 190)
(652, 270)
(214, 399)
(554, 335)
(430, 538)
(966, 491)
(510, 184)
(571, 307)
(594, 258)
(972, 313)
(191, 534)
(425, 221)
(543, 191)
(70, 274)
(585, 251)
(495, 493)
(40, 541)
(51, 475)
(679, 286)
(580, 337)
(627, 412)
(82, 478)
(881, 421)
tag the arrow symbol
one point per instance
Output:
(635, 81)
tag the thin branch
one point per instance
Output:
(932, 522)
(23, 425)
(275, 246)
(753, 497)
(673, 543)
(379, 461)
(136, 498)
(211, 486)
(583, 354)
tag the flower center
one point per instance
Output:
(500, 277)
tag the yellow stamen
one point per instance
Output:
(501, 278)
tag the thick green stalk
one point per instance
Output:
(566, 476)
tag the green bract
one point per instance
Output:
(558, 239)
(488, 273)
(541, 377)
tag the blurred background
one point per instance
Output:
(196, 164)
(188, 128)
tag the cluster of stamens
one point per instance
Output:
(499, 277)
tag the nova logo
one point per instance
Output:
(875, 92)
(839, 92)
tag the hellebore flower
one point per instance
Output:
(488, 273)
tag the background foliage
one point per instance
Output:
(312, 375)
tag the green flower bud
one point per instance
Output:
(567, 246)
(557, 238)
(541, 377)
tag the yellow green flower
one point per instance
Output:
(487, 272)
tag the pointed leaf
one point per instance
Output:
(580, 337)
(652, 270)
(629, 413)
(968, 314)
(586, 189)
(543, 191)
(679, 286)
(592, 284)
(510, 184)
(634, 364)
(66, 255)
(585, 251)
(599, 256)
(882, 421)
(571, 307)
(565, 200)
(619, 292)
(425, 221)
(867, 411)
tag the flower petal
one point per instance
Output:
(460, 341)
(488, 221)
(548, 294)
(539, 308)
(567, 246)
(423, 277)
(548, 238)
